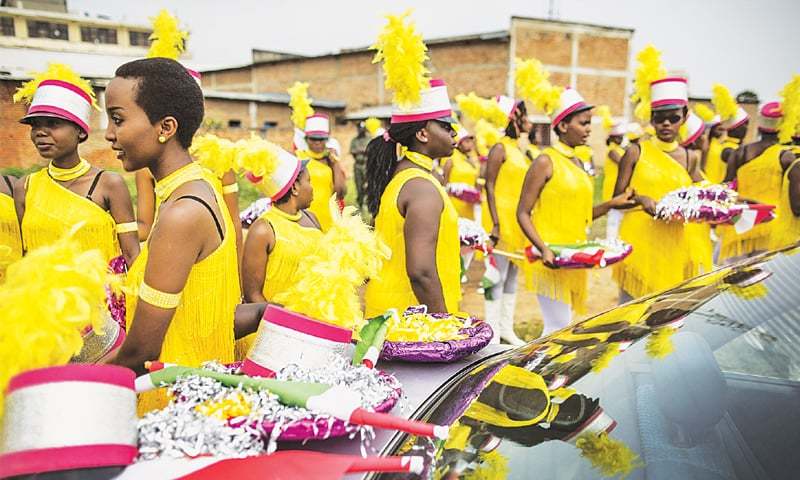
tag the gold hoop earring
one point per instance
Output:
(162, 139)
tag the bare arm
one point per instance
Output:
(247, 318)
(259, 244)
(497, 155)
(145, 202)
(788, 161)
(448, 167)
(626, 166)
(734, 159)
(120, 207)
(693, 165)
(339, 178)
(614, 156)
(536, 178)
(232, 202)
(421, 205)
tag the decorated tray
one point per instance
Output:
(594, 254)
(713, 204)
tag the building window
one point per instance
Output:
(7, 27)
(98, 35)
(56, 31)
(139, 39)
(234, 124)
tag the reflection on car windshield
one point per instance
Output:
(702, 381)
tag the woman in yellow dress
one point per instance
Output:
(556, 207)
(70, 191)
(505, 171)
(413, 214)
(701, 247)
(758, 168)
(327, 175)
(655, 167)
(278, 238)
(185, 284)
(462, 168)
(10, 240)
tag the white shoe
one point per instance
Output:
(493, 313)
(507, 320)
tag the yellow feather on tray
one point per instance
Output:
(723, 101)
(403, 54)
(48, 298)
(214, 153)
(55, 71)
(531, 79)
(167, 39)
(703, 111)
(648, 69)
(790, 105)
(478, 108)
(300, 103)
(327, 279)
(605, 117)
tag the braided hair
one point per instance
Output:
(382, 159)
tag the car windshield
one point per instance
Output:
(702, 381)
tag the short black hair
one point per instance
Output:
(167, 89)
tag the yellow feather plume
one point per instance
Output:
(372, 125)
(48, 298)
(723, 101)
(326, 283)
(493, 466)
(214, 153)
(604, 360)
(610, 456)
(704, 111)
(167, 39)
(486, 136)
(256, 155)
(790, 105)
(403, 54)
(531, 79)
(659, 343)
(605, 117)
(476, 108)
(300, 103)
(649, 69)
(55, 71)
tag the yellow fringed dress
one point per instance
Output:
(610, 171)
(322, 183)
(202, 326)
(760, 180)
(51, 211)
(786, 228)
(561, 215)
(507, 190)
(660, 257)
(463, 171)
(291, 240)
(9, 234)
(715, 166)
(392, 288)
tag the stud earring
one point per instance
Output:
(162, 139)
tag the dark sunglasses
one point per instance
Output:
(661, 117)
(445, 125)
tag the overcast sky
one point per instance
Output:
(746, 44)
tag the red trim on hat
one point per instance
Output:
(45, 460)
(322, 133)
(317, 115)
(301, 323)
(767, 130)
(68, 86)
(110, 374)
(771, 110)
(670, 101)
(739, 123)
(253, 369)
(437, 82)
(289, 184)
(696, 135)
(568, 111)
(57, 112)
(194, 73)
(670, 79)
(418, 117)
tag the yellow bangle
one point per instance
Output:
(232, 188)
(126, 227)
(157, 298)
(481, 182)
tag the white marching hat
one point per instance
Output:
(60, 99)
(669, 92)
(738, 119)
(768, 116)
(318, 125)
(196, 76)
(694, 128)
(434, 105)
(570, 102)
(507, 104)
(282, 178)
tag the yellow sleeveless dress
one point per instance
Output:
(463, 172)
(291, 240)
(322, 183)
(610, 172)
(9, 234)
(202, 326)
(52, 210)
(392, 288)
(786, 228)
(507, 190)
(760, 180)
(561, 215)
(660, 257)
(715, 166)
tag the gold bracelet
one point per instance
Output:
(232, 188)
(157, 298)
(128, 227)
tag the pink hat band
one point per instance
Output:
(69, 417)
(286, 337)
(57, 98)
(769, 115)
(434, 104)
(196, 76)
(281, 180)
(669, 91)
(318, 125)
(738, 119)
(570, 102)
(694, 128)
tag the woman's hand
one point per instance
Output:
(647, 203)
(624, 200)
(494, 235)
(548, 258)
